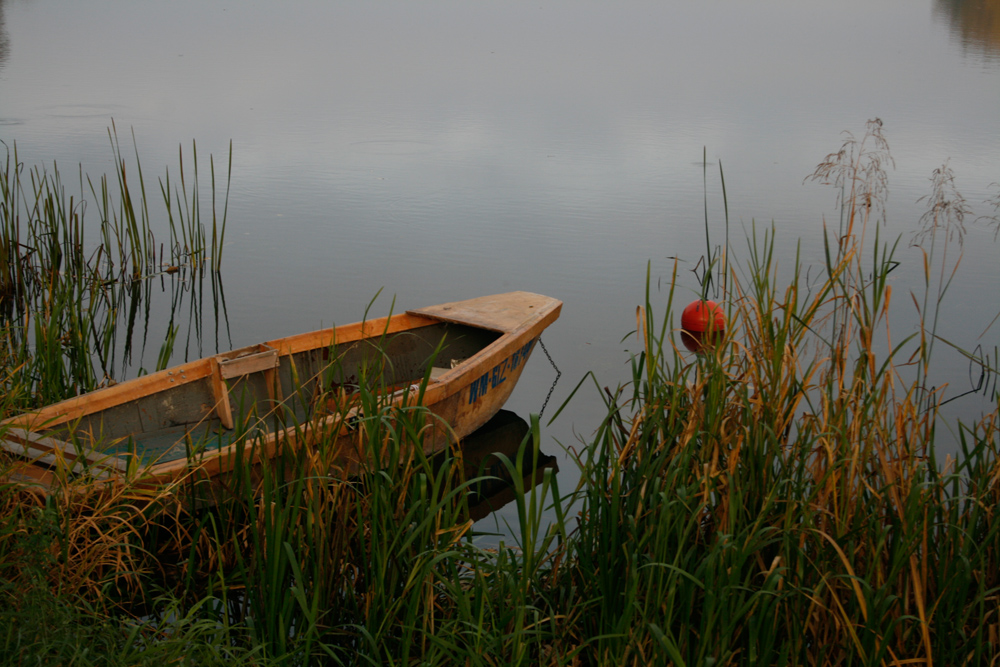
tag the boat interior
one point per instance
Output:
(210, 403)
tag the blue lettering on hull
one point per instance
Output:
(496, 377)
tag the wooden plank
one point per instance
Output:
(170, 444)
(250, 362)
(500, 312)
(348, 333)
(74, 408)
(35, 478)
(26, 450)
(184, 404)
(104, 426)
(273, 386)
(50, 451)
(221, 394)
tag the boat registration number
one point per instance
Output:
(498, 375)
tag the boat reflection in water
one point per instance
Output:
(481, 453)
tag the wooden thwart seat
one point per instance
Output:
(239, 363)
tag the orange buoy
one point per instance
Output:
(703, 317)
(702, 323)
(694, 342)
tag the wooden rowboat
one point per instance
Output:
(461, 360)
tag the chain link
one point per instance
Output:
(554, 382)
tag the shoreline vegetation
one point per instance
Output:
(774, 500)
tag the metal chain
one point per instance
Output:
(554, 382)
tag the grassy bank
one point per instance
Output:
(774, 500)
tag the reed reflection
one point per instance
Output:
(4, 38)
(975, 22)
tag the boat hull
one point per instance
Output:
(311, 392)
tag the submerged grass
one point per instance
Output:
(775, 500)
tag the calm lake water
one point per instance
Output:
(444, 150)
